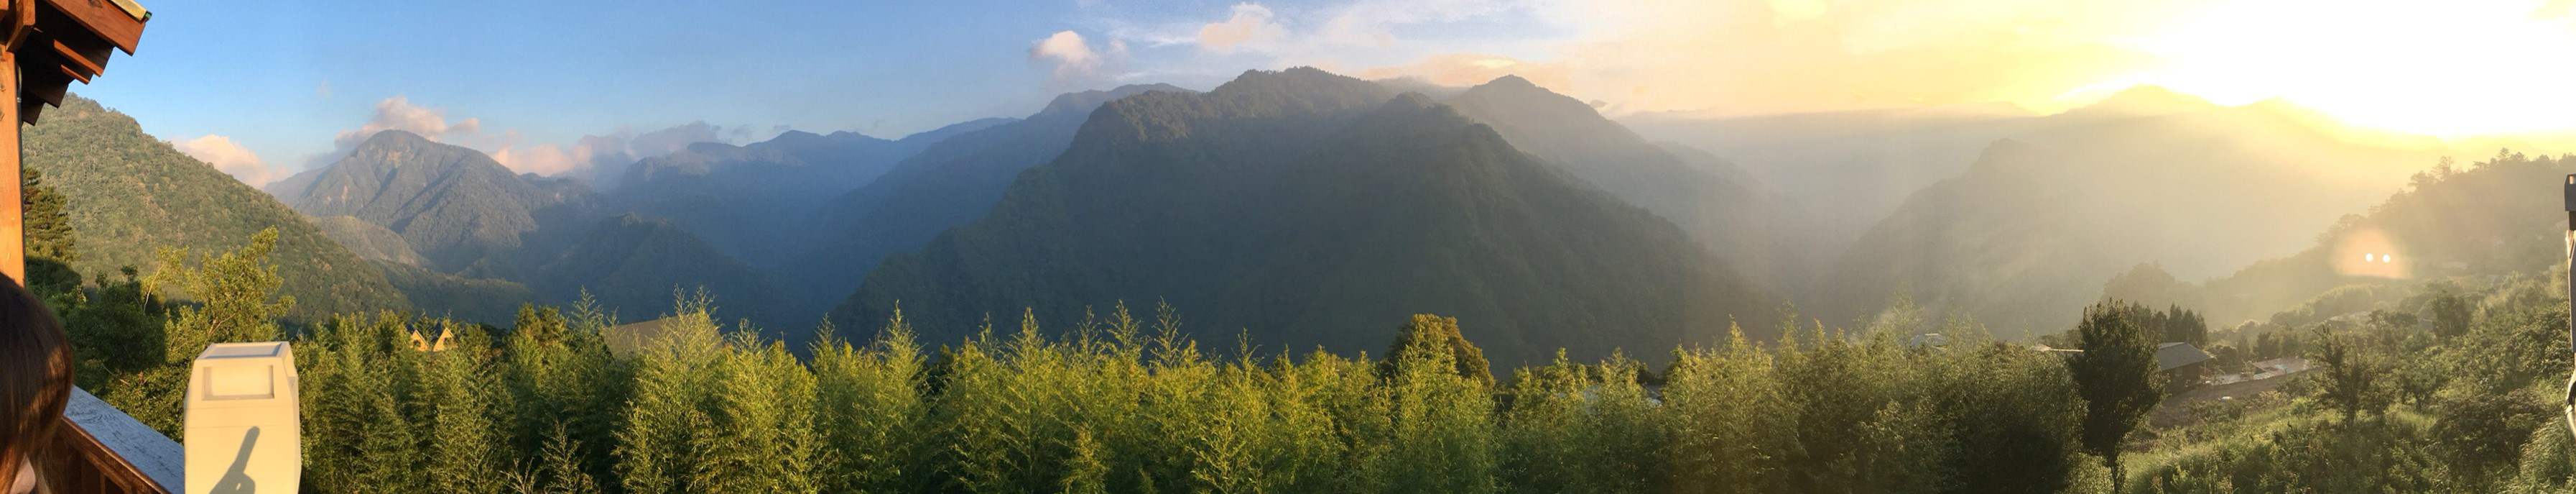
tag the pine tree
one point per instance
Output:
(1469, 360)
(666, 416)
(763, 413)
(2116, 376)
(1735, 428)
(457, 402)
(51, 245)
(565, 468)
(870, 409)
(1442, 419)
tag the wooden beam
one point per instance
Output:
(90, 62)
(109, 21)
(22, 20)
(13, 231)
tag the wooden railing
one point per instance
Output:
(103, 450)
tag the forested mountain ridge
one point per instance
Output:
(456, 206)
(1719, 204)
(1300, 206)
(2028, 232)
(130, 194)
(369, 241)
(949, 183)
(751, 201)
(638, 267)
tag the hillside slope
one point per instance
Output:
(948, 184)
(2025, 237)
(131, 194)
(1720, 205)
(369, 241)
(638, 266)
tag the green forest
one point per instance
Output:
(1120, 402)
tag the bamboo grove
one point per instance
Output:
(1123, 405)
(1112, 402)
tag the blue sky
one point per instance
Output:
(280, 80)
(261, 89)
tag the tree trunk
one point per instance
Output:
(2117, 476)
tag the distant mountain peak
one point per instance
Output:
(1082, 102)
(1307, 71)
(2149, 99)
(1521, 91)
(1294, 79)
(1411, 100)
(393, 137)
(1510, 80)
(799, 138)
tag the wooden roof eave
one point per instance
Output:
(109, 21)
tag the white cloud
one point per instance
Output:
(231, 158)
(397, 113)
(543, 159)
(603, 158)
(597, 156)
(1075, 60)
(1251, 26)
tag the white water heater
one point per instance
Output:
(244, 434)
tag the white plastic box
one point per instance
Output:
(244, 435)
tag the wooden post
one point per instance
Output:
(2569, 193)
(13, 226)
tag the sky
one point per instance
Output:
(264, 89)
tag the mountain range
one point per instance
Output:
(948, 184)
(1306, 209)
(751, 201)
(1310, 209)
(2022, 239)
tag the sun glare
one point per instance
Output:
(2448, 69)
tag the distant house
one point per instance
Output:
(2180, 363)
(445, 339)
(2179, 355)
